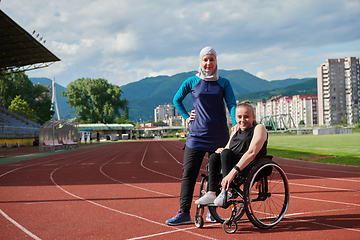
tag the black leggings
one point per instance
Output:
(225, 161)
(192, 163)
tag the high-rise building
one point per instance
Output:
(164, 112)
(338, 91)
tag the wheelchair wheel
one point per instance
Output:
(199, 221)
(220, 214)
(230, 226)
(267, 195)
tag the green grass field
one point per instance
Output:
(336, 148)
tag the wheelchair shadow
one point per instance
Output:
(301, 224)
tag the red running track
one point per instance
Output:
(128, 190)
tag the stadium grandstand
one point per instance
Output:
(16, 130)
(20, 51)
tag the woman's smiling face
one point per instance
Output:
(208, 63)
(244, 117)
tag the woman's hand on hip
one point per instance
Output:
(192, 116)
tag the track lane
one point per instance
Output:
(110, 193)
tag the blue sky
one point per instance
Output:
(126, 40)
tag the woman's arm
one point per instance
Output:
(258, 140)
(183, 91)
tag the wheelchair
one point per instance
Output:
(261, 191)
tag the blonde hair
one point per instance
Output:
(248, 105)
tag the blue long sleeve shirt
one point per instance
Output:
(209, 130)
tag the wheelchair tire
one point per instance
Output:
(230, 226)
(266, 194)
(220, 214)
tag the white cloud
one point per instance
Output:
(127, 40)
(270, 73)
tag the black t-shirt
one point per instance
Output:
(240, 142)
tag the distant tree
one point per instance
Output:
(37, 97)
(302, 122)
(123, 120)
(95, 100)
(22, 108)
(6, 90)
(345, 121)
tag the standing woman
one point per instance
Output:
(208, 126)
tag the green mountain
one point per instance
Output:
(308, 87)
(145, 95)
(148, 93)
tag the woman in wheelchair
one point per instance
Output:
(247, 142)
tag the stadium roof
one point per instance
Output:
(103, 126)
(20, 51)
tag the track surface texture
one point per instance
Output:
(128, 190)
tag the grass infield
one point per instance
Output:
(335, 148)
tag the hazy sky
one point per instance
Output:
(126, 40)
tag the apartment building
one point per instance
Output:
(338, 91)
(289, 111)
(304, 107)
(164, 112)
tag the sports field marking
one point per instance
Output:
(176, 159)
(169, 154)
(163, 233)
(19, 226)
(328, 178)
(35, 164)
(312, 212)
(323, 169)
(142, 163)
(323, 224)
(111, 209)
(45, 162)
(327, 201)
(127, 184)
(315, 186)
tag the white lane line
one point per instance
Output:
(127, 184)
(142, 164)
(327, 201)
(115, 210)
(163, 233)
(170, 154)
(328, 188)
(19, 226)
(177, 160)
(10, 219)
(322, 169)
(323, 224)
(328, 178)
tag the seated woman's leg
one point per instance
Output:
(228, 160)
(213, 170)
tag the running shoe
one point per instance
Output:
(219, 201)
(208, 198)
(209, 217)
(179, 219)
